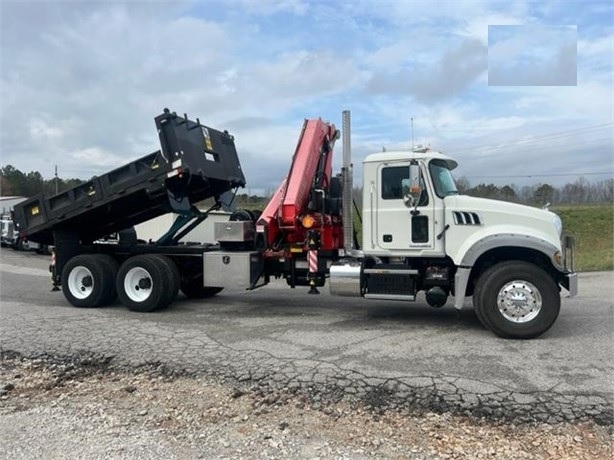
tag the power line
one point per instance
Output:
(568, 132)
(542, 175)
(535, 139)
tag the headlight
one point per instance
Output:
(558, 224)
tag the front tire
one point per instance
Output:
(517, 300)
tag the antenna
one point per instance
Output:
(412, 134)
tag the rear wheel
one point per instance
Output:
(144, 283)
(87, 281)
(43, 249)
(517, 300)
(112, 268)
(19, 244)
(173, 273)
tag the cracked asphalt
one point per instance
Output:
(385, 354)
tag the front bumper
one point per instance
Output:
(570, 280)
(571, 284)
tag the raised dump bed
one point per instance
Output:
(195, 162)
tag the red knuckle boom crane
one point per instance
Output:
(304, 214)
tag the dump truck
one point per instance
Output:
(419, 234)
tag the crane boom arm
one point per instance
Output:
(310, 172)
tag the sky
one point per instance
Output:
(517, 92)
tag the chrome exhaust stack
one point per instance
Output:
(347, 180)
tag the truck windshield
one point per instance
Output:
(442, 179)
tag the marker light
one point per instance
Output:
(308, 221)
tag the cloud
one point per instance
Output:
(595, 57)
(97, 157)
(271, 7)
(532, 56)
(103, 74)
(302, 73)
(40, 130)
(477, 26)
(81, 82)
(453, 73)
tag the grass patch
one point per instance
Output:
(593, 228)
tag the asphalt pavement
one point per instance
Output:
(385, 354)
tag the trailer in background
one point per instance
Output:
(7, 204)
(10, 234)
(153, 229)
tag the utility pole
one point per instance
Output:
(56, 179)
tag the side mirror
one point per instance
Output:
(411, 187)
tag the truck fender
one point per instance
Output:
(461, 279)
(507, 239)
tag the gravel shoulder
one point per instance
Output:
(85, 408)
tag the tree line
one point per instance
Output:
(581, 191)
(14, 182)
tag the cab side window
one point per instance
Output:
(392, 189)
(391, 182)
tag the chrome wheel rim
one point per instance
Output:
(519, 301)
(80, 282)
(138, 284)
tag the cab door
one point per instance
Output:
(402, 228)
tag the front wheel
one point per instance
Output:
(517, 300)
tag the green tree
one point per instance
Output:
(484, 191)
(34, 183)
(543, 194)
(508, 193)
(13, 181)
(6, 187)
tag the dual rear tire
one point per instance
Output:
(143, 283)
(148, 282)
(89, 280)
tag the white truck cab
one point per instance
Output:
(420, 234)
